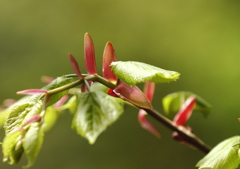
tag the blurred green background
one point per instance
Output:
(200, 39)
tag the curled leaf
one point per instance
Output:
(185, 112)
(136, 72)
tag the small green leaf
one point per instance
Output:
(136, 72)
(223, 156)
(58, 82)
(33, 142)
(50, 118)
(95, 111)
(9, 148)
(173, 102)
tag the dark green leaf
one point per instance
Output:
(223, 156)
(33, 142)
(132, 73)
(95, 111)
(173, 102)
(58, 82)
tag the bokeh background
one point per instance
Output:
(200, 39)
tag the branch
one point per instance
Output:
(188, 136)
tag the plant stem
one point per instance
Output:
(188, 136)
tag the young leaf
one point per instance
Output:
(133, 95)
(10, 153)
(172, 103)
(222, 156)
(185, 112)
(33, 142)
(136, 72)
(89, 55)
(95, 112)
(109, 56)
(50, 118)
(75, 66)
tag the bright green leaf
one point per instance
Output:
(9, 148)
(223, 156)
(50, 118)
(33, 142)
(173, 102)
(71, 105)
(132, 73)
(95, 111)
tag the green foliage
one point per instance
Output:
(173, 102)
(95, 111)
(132, 73)
(32, 142)
(223, 156)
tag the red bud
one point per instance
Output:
(89, 55)
(109, 56)
(133, 95)
(75, 66)
(32, 91)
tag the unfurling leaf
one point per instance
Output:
(95, 112)
(32, 143)
(136, 72)
(132, 95)
(173, 102)
(222, 156)
(109, 56)
(185, 112)
(89, 55)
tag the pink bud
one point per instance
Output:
(109, 56)
(133, 95)
(32, 119)
(75, 66)
(32, 92)
(89, 55)
(148, 90)
(16, 129)
(146, 124)
(61, 101)
(185, 112)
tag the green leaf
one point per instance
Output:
(136, 72)
(9, 148)
(173, 102)
(50, 118)
(223, 156)
(33, 142)
(58, 82)
(95, 111)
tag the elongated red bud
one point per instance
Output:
(32, 91)
(149, 88)
(89, 55)
(75, 66)
(60, 102)
(32, 119)
(133, 95)
(109, 56)
(146, 124)
(185, 112)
